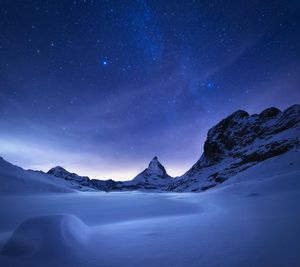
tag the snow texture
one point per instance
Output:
(38, 235)
(249, 220)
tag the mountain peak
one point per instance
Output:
(57, 168)
(152, 176)
(154, 161)
(61, 172)
(155, 167)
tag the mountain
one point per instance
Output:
(153, 177)
(103, 185)
(82, 182)
(239, 142)
(68, 176)
(16, 180)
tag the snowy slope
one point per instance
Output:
(252, 219)
(15, 180)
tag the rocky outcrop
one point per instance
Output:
(83, 182)
(241, 130)
(68, 176)
(239, 142)
(103, 185)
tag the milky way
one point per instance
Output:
(100, 87)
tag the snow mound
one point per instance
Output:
(41, 235)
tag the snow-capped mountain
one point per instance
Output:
(153, 177)
(241, 141)
(235, 144)
(68, 176)
(14, 179)
(82, 181)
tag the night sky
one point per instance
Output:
(100, 87)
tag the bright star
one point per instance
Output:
(210, 85)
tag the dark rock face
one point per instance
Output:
(219, 137)
(268, 151)
(85, 181)
(240, 130)
(239, 142)
(269, 113)
(63, 173)
(105, 185)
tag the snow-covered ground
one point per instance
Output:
(250, 220)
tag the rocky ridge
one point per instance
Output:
(239, 142)
(236, 143)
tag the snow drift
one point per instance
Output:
(39, 235)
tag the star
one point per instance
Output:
(210, 84)
(104, 62)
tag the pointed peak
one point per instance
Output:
(156, 167)
(153, 173)
(154, 162)
(155, 159)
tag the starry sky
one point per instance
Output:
(100, 87)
